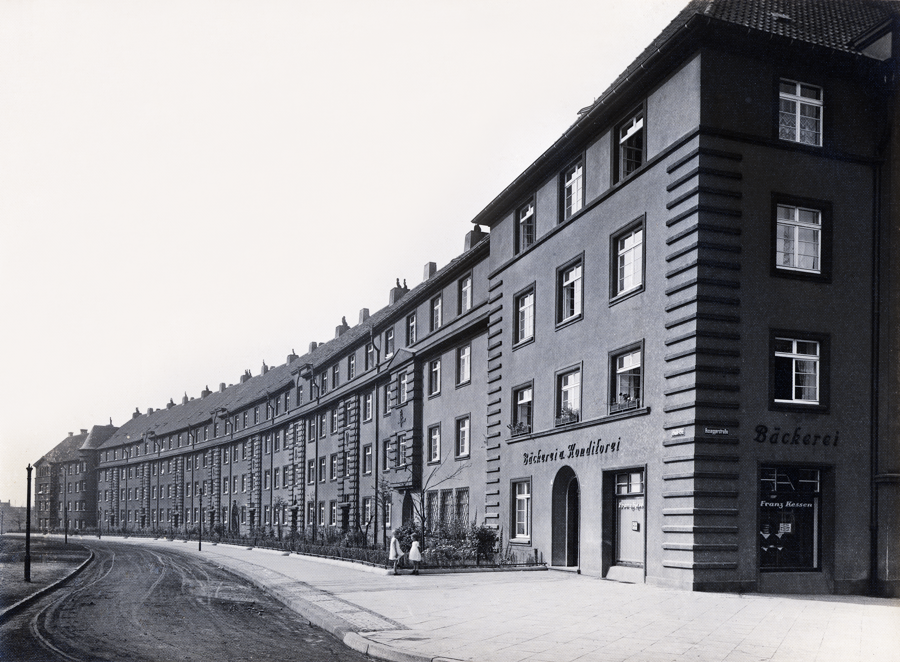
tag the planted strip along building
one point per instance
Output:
(672, 360)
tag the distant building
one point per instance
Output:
(672, 361)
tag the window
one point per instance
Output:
(436, 317)
(388, 514)
(334, 466)
(464, 364)
(335, 376)
(462, 437)
(404, 387)
(569, 293)
(446, 506)
(367, 510)
(400, 456)
(255, 415)
(462, 504)
(311, 472)
(322, 425)
(367, 459)
(465, 294)
(796, 371)
(431, 509)
(434, 377)
(800, 113)
(386, 396)
(367, 407)
(573, 190)
(351, 366)
(321, 513)
(798, 239)
(434, 443)
(568, 397)
(410, 329)
(332, 513)
(630, 144)
(522, 399)
(323, 382)
(322, 469)
(522, 509)
(524, 226)
(388, 343)
(790, 515)
(385, 454)
(370, 356)
(524, 317)
(277, 442)
(267, 444)
(626, 381)
(629, 260)
(312, 427)
(334, 420)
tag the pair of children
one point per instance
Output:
(415, 555)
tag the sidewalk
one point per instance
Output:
(559, 617)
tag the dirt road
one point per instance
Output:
(137, 604)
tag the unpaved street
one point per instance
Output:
(137, 604)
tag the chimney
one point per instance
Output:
(430, 269)
(70, 434)
(264, 369)
(83, 431)
(137, 412)
(292, 357)
(205, 392)
(312, 346)
(473, 237)
(342, 329)
(245, 376)
(221, 387)
(398, 292)
(149, 410)
(363, 315)
(185, 399)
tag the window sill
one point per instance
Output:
(462, 457)
(799, 274)
(523, 343)
(622, 296)
(570, 321)
(520, 541)
(798, 408)
(465, 383)
(431, 396)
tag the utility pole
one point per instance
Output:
(200, 535)
(28, 530)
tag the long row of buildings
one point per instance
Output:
(672, 359)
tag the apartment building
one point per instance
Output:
(671, 361)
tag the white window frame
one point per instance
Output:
(571, 291)
(437, 318)
(463, 436)
(464, 365)
(629, 260)
(631, 137)
(434, 443)
(434, 377)
(367, 407)
(791, 107)
(790, 217)
(521, 491)
(798, 357)
(523, 409)
(573, 189)
(465, 294)
(568, 396)
(525, 316)
(525, 227)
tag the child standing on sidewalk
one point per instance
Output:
(414, 554)
(396, 552)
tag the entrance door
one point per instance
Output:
(630, 518)
(566, 516)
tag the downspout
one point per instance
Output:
(874, 413)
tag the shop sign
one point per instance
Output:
(795, 438)
(572, 452)
(678, 432)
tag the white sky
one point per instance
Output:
(189, 188)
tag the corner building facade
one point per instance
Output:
(684, 337)
(674, 359)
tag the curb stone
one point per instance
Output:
(14, 609)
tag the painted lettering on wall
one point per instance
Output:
(795, 437)
(571, 452)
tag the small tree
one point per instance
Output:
(429, 483)
(278, 507)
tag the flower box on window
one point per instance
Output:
(519, 428)
(567, 416)
(623, 405)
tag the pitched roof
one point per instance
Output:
(66, 450)
(834, 24)
(200, 411)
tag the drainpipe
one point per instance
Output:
(876, 328)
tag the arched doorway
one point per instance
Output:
(566, 516)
